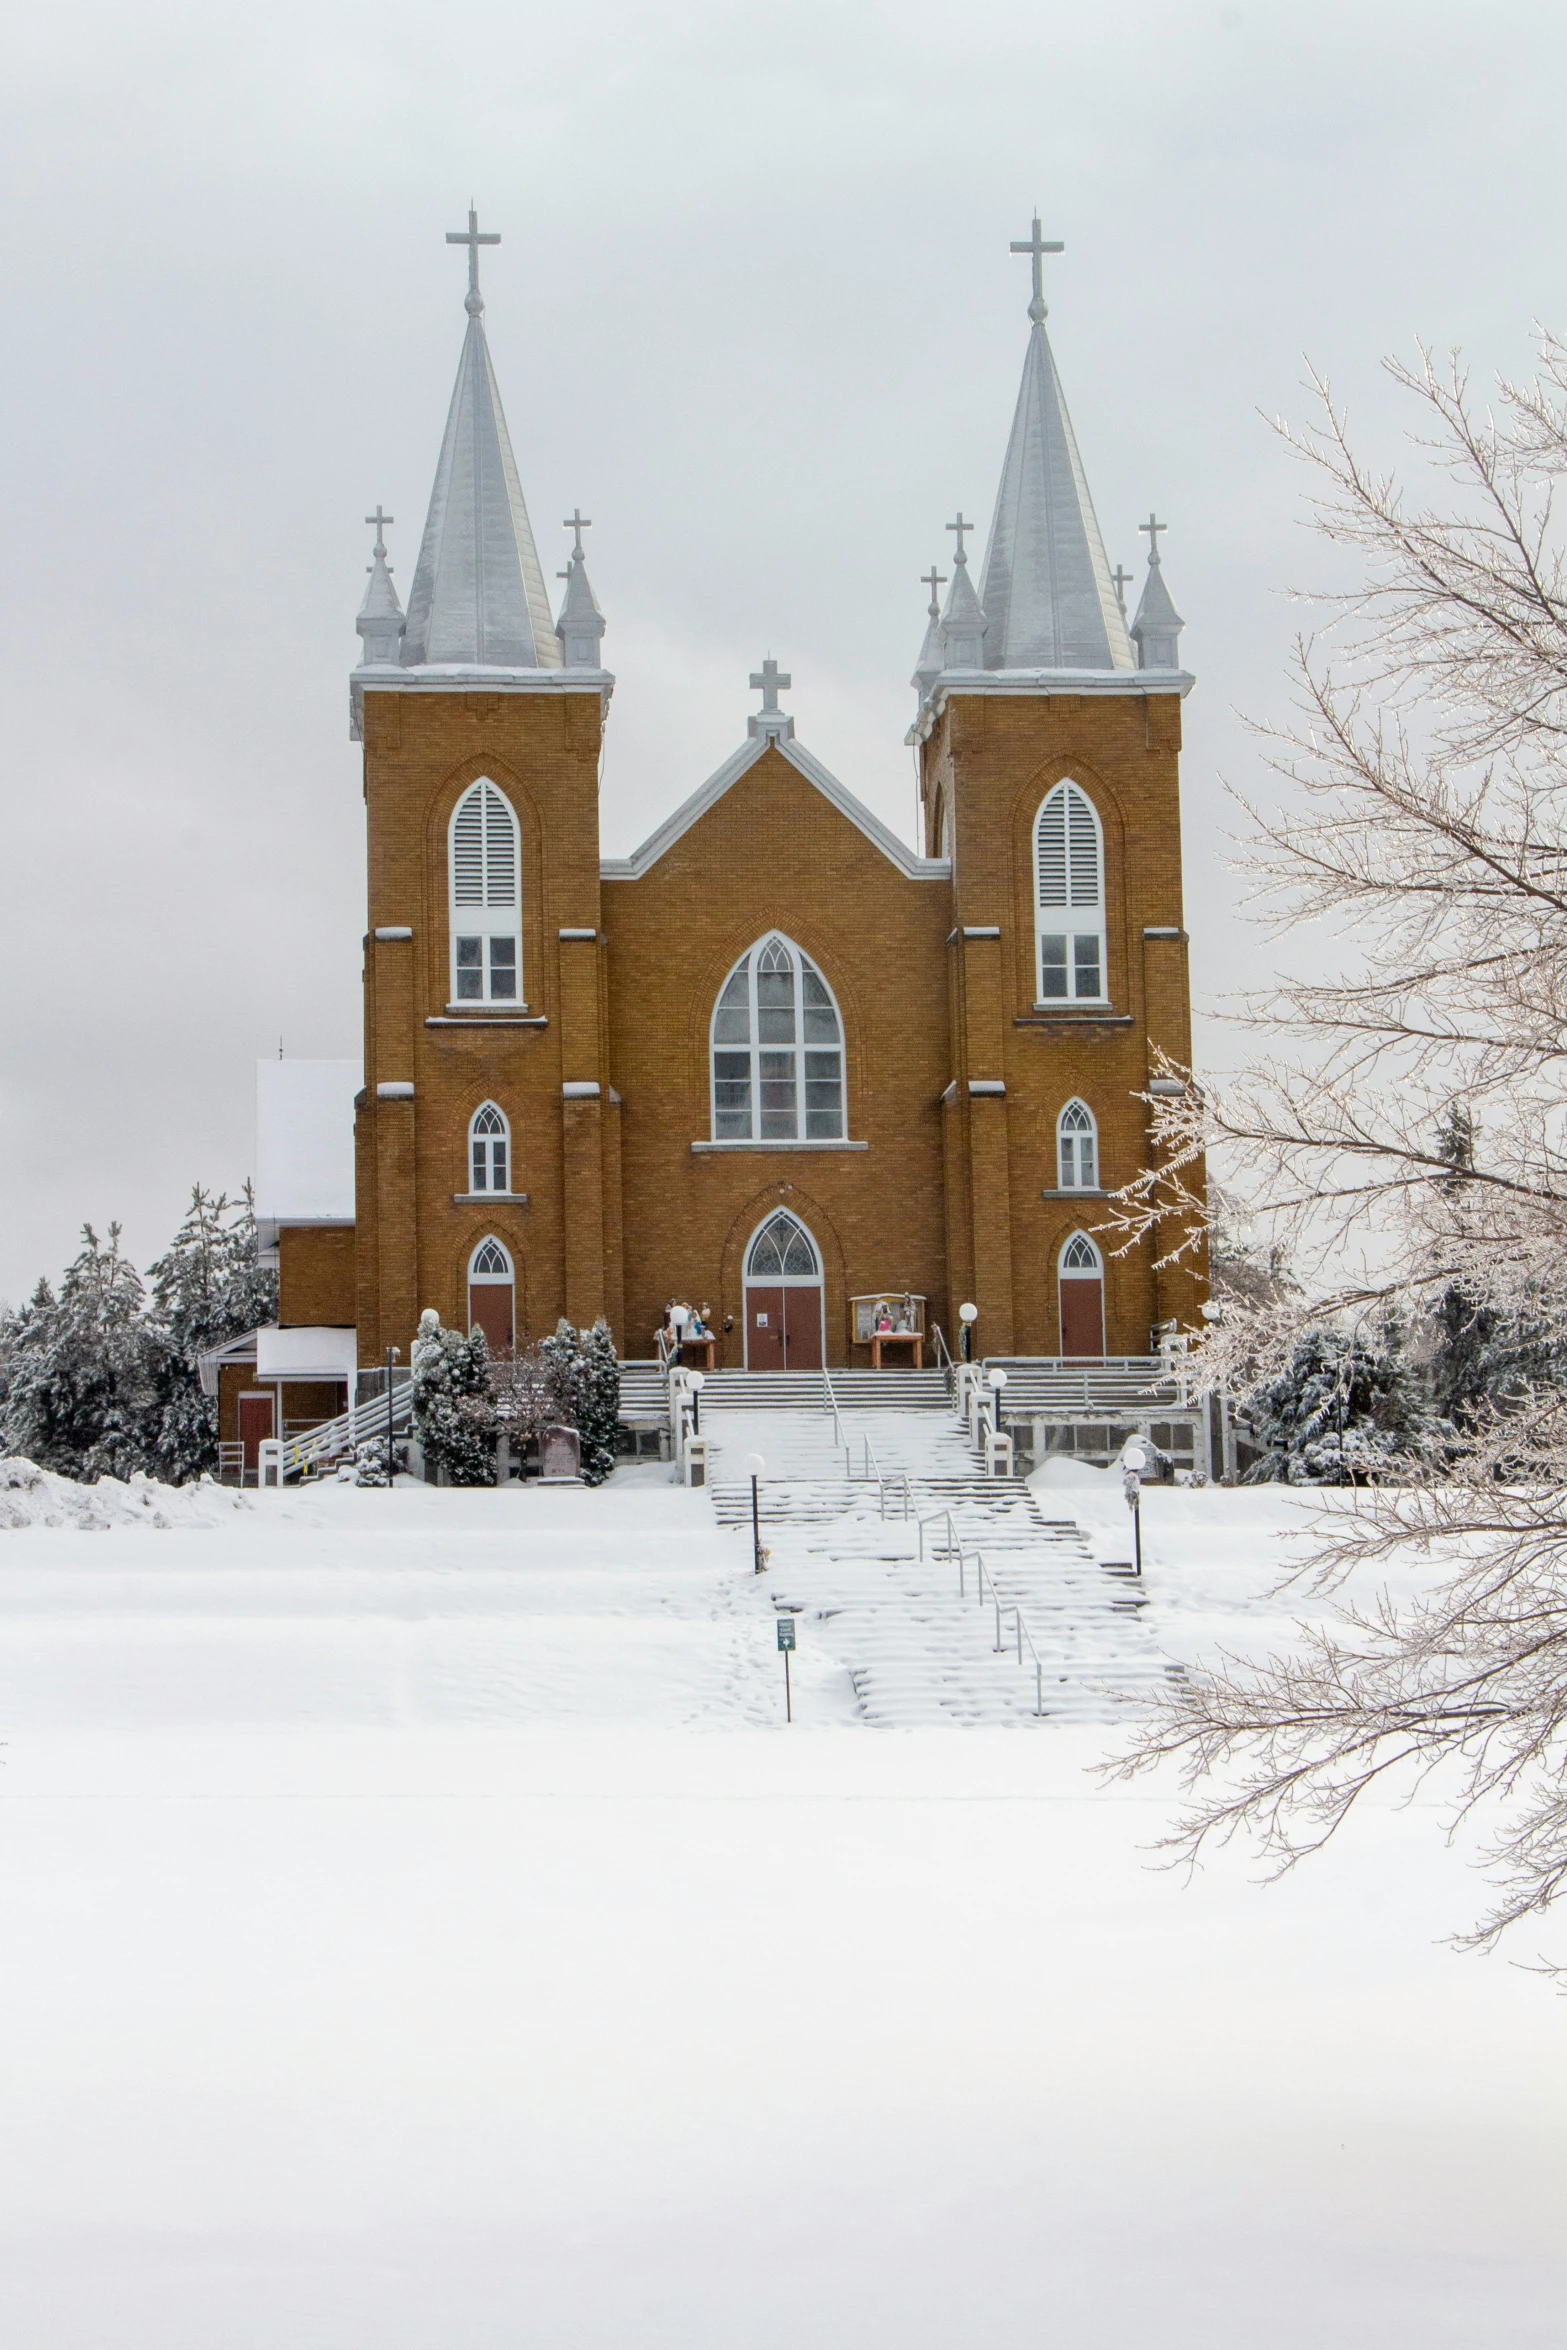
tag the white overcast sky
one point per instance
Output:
(754, 310)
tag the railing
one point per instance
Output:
(898, 1481)
(940, 1518)
(837, 1422)
(1003, 1607)
(334, 1439)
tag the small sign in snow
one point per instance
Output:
(786, 1631)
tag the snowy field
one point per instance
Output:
(421, 1929)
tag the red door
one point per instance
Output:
(255, 1422)
(802, 1329)
(764, 1329)
(490, 1306)
(1083, 1317)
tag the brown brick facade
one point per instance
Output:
(933, 971)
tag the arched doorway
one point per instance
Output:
(783, 1297)
(1082, 1299)
(492, 1295)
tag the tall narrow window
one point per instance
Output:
(1070, 873)
(777, 1051)
(489, 1150)
(1077, 1148)
(486, 905)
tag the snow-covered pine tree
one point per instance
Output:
(454, 1418)
(81, 1377)
(598, 1405)
(206, 1289)
(1345, 1411)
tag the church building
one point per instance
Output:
(776, 1062)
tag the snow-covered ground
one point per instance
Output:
(420, 1927)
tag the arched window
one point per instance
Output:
(1077, 1148)
(489, 1150)
(486, 908)
(777, 1051)
(783, 1251)
(492, 1295)
(1069, 865)
(1082, 1287)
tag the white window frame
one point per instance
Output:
(485, 1142)
(1076, 1127)
(494, 917)
(1075, 912)
(757, 1047)
(1066, 1272)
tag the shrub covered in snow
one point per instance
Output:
(454, 1416)
(1345, 1411)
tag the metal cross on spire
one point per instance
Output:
(380, 521)
(1037, 247)
(933, 579)
(473, 238)
(1121, 580)
(1153, 526)
(577, 521)
(960, 526)
(767, 681)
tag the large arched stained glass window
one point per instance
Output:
(1069, 872)
(777, 1051)
(486, 903)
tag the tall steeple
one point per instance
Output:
(963, 624)
(1156, 632)
(929, 665)
(478, 598)
(580, 627)
(1049, 599)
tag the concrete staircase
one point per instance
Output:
(917, 1643)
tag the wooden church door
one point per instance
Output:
(783, 1298)
(1082, 1300)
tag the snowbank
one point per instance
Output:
(30, 1496)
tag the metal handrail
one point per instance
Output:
(940, 1518)
(1004, 1607)
(944, 1360)
(837, 1424)
(342, 1435)
(900, 1477)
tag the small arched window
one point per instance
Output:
(1069, 868)
(1077, 1148)
(486, 902)
(1080, 1256)
(777, 1050)
(489, 1150)
(783, 1251)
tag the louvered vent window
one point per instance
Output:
(777, 1051)
(486, 899)
(1070, 869)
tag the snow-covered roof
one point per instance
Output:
(306, 1353)
(305, 1143)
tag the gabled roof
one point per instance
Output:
(674, 827)
(1047, 592)
(478, 596)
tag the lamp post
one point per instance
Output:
(968, 1316)
(1213, 1315)
(995, 1380)
(755, 1468)
(393, 1354)
(1135, 1465)
(698, 1382)
(680, 1316)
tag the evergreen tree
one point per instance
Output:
(598, 1408)
(206, 1289)
(454, 1418)
(1346, 1411)
(81, 1373)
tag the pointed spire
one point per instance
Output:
(580, 627)
(963, 623)
(1048, 596)
(928, 667)
(380, 621)
(478, 597)
(1156, 632)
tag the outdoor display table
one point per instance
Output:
(704, 1351)
(914, 1339)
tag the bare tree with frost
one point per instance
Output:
(1409, 1135)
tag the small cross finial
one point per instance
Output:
(767, 681)
(1120, 580)
(960, 526)
(1153, 526)
(578, 522)
(380, 522)
(933, 579)
(473, 238)
(1037, 247)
